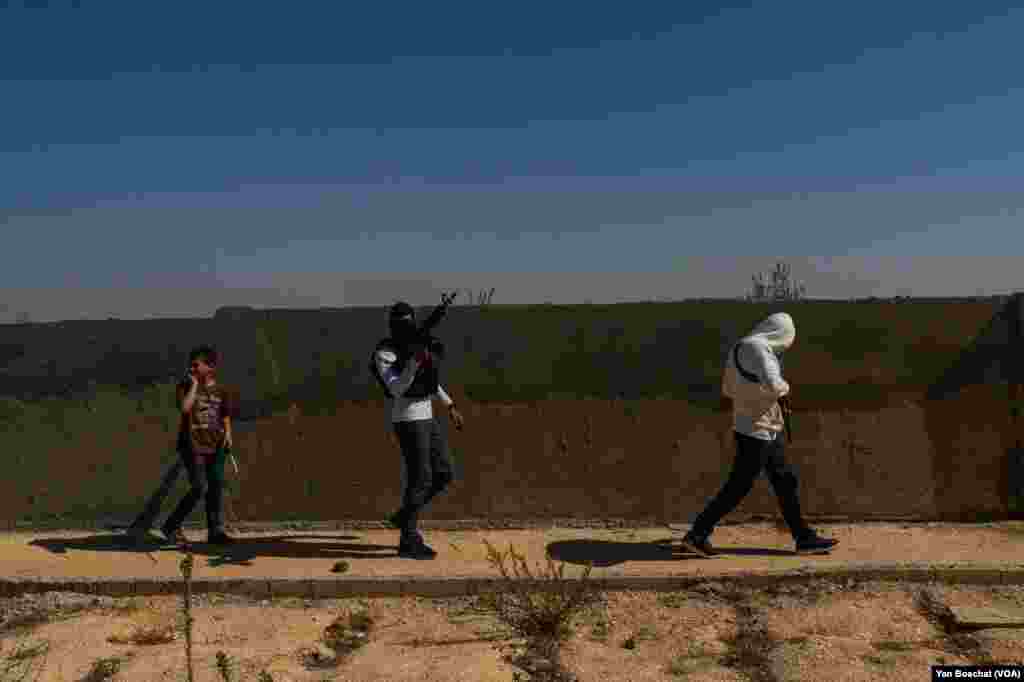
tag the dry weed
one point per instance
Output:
(104, 670)
(147, 635)
(226, 667)
(539, 609)
(345, 635)
(25, 661)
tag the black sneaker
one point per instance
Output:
(698, 545)
(219, 538)
(815, 544)
(415, 548)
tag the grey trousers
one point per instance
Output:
(428, 467)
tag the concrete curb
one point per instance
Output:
(408, 586)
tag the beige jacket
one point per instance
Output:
(756, 410)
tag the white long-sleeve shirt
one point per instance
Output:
(406, 409)
(756, 410)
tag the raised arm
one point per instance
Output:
(187, 396)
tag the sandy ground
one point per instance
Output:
(864, 631)
(464, 553)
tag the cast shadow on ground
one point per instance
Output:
(265, 546)
(604, 553)
(243, 550)
(112, 542)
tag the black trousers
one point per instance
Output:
(207, 480)
(753, 455)
(427, 464)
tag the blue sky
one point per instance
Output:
(164, 159)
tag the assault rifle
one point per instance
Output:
(787, 410)
(423, 336)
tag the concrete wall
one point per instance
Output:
(866, 445)
(656, 460)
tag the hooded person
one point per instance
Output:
(407, 371)
(753, 380)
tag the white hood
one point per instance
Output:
(778, 331)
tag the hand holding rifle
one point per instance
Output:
(787, 411)
(424, 343)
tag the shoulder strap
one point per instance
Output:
(746, 375)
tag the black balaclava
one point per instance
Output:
(402, 322)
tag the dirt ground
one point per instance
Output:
(813, 631)
(614, 552)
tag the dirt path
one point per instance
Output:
(372, 553)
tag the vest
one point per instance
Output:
(427, 378)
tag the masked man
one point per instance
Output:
(753, 380)
(406, 367)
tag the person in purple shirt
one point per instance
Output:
(207, 408)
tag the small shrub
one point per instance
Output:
(600, 630)
(103, 670)
(891, 645)
(679, 666)
(186, 607)
(682, 667)
(344, 636)
(672, 600)
(646, 632)
(542, 617)
(24, 662)
(147, 635)
(546, 613)
(226, 667)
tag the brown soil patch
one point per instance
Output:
(800, 632)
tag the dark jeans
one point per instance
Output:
(207, 479)
(428, 467)
(753, 454)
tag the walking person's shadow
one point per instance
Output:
(242, 552)
(603, 553)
